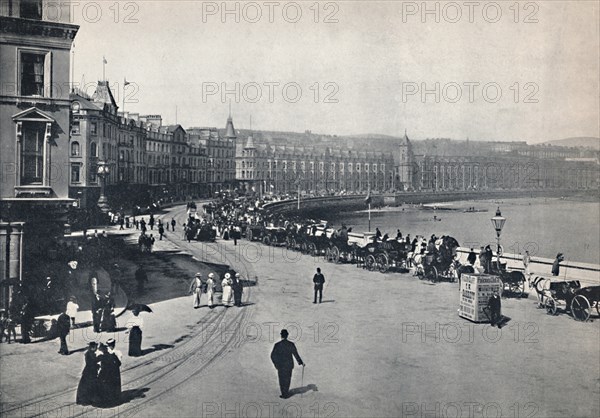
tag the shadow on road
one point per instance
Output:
(303, 389)
(131, 394)
(156, 347)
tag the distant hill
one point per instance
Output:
(580, 141)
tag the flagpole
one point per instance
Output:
(124, 84)
(103, 68)
(369, 216)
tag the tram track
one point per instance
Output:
(198, 352)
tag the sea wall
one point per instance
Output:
(587, 274)
(312, 206)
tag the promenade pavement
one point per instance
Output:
(378, 345)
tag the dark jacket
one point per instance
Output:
(472, 258)
(63, 325)
(319, 280)
(282, 353)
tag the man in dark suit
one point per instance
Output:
(318, 280)
(281, 356)
(63, 325)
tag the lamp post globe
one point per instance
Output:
(498, 222)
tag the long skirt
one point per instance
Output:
(135, 342)
(210, 294)
(87, 391)
(227, 296)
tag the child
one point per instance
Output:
(72, 308)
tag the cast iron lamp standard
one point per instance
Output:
(103, 171)
(498, 222)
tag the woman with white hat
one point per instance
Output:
(196, 290)
(227, 294)
(210, 289)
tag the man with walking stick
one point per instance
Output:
(318, 280)
(282, 357)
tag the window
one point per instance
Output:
(32, 155)
(93, 128)
(75, 151)
(93, 149)
(31, 9)
(75, 172)
(93, 174)
(33, 70)
(75, 127)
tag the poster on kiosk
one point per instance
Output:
(475, 292)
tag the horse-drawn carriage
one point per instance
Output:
(255, 232)
(205, 232)
(387, 255)
(340, 250)
(513, 282)
(274, 235)
(440, 264)
(568, 296)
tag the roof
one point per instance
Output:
(85, 103)
(229, 129)
(173, 128)
(250, 143)
(103, 94)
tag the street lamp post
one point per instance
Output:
(498, 222)
(103, 171)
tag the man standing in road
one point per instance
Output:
(196, 289)
(318, 280)
(173, 223)
(526, 261)
(281, 356)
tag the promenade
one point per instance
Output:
(378, 345)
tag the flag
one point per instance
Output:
(271, 186)
(104, 60)
(125, 82)
(368, 198)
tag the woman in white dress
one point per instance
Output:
(227, 290)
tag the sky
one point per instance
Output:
(484, 70)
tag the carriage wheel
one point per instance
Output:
(598, 307)
(432, 274)
(312, 249)
(249, 235)
(517, 288)
(580, 307)
(335, 254)
(383, 263)
(370, 262)
(550, 305)
(266, 240)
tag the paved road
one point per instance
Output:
(379, 345)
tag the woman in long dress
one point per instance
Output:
(135, 334)
(87, 391)
(227, 294)
(109, 375)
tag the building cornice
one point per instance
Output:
(13, 30)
